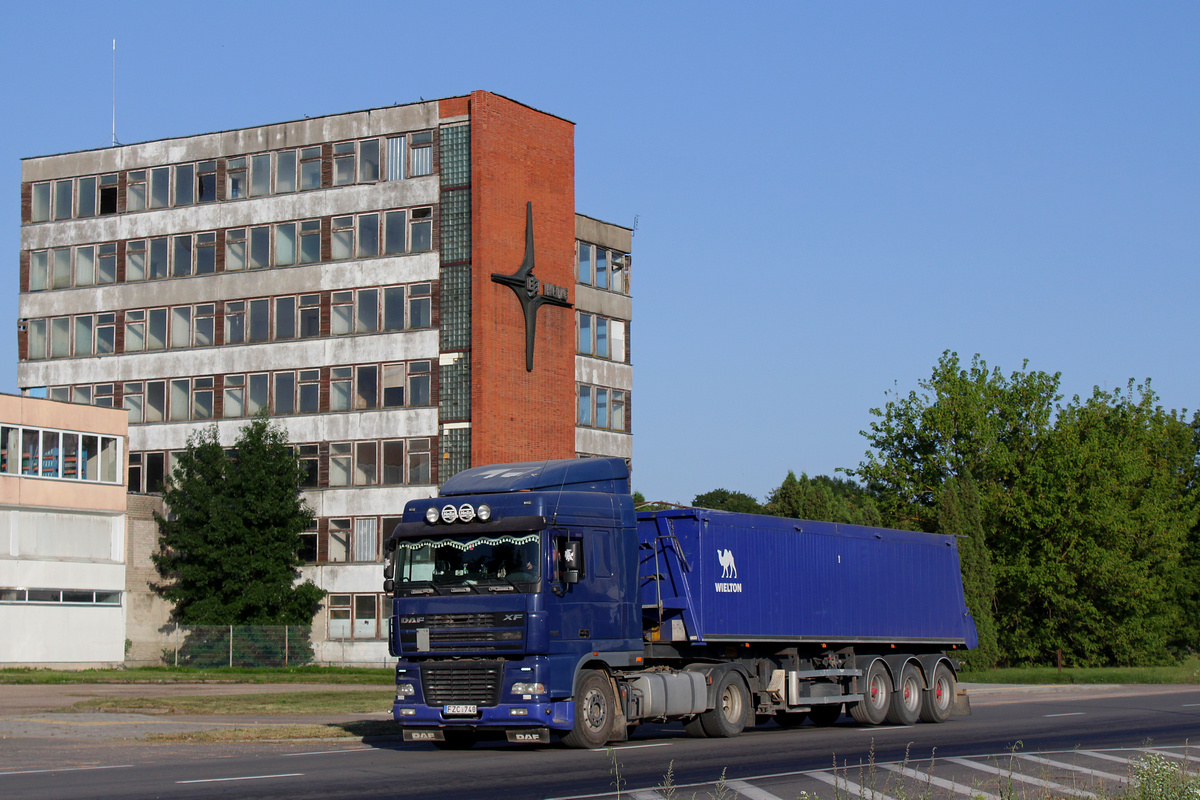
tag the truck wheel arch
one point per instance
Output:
(896, 664)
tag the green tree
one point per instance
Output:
(962, 419)
(725, 500)
(823, 499)
(1093, 541)
(230, 541)
(959, 515)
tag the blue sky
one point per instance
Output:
(827, 195)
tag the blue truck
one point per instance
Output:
(531, 600)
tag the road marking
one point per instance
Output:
(1095, 773)
(328, 752)
(841, 784)
(646, 794)
(960, 788)
(632, 747)
(753, 792)
(1068, 714)
(1016, 776)
(245, 778)
(65, 769)
(1169, 753)
(1190, 705)
(1106, 756)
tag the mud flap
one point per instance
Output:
(527, 735)
(423, 735)
(962, 704)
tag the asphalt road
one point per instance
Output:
(1004, 719)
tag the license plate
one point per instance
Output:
(448, 710)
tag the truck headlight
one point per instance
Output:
(485, 512)
(431, 515)
(529, 688)
(405, 690)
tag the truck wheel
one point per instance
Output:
(457, 740)
(595, 712)
(791, 719)
(936, 704)
(877, 692)
(824, 716)
(728, 719)
(905, 708)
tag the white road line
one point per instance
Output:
(1095, 773)
(1190, 705)
(960, 788)
(753, 792)
(1169, 753)
(646, 794)
(1068, 714)
(245, 778)
(631, 747)
(328, 752)
(1106, 756)
(64, 769)
(842, 784)
(1016, 776)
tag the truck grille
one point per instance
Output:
(462, 682)
(460, 620)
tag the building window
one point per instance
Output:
(368, 235)
(235, 322)
(368, 161)
(237, 184)
(108, 194)
(181, 326)
(156, 402)
(420, 306)
(341, 313)
(160, 187)
(234, 404)
(340, 457)
(343, 163)
(393, 308)
(159, 267)
(422, 229)
(285, 244)
(40, 210)
(310, 391)
(63, 191)
(206, 253)
(184, 175)
(341, 382)
(135, 331)
(52, 453)
(421, 154)
(135, 260)
(206, 182)
(393, 232)
(202, 398)
(340, 608)
(285, 393)
(235, 249)
(366, 389)
(180, 405)
(393, 462)
(419, 461)
(342, 244)
(310, 241)
(395, 158)
(310, 168)
(585, 406)
(309, 458)
(310, 316)
(205, 324)
(260, 320)
(365, 466)
(260, 175)
(260, 247)
(285, 317)
(308, 543)
(135, 191)
(285, 172)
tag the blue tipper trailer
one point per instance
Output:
(530, 598)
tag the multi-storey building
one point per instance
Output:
(407, 290)
(62, 534)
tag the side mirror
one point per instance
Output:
(389, 571)
(389, 586)
(571, 561)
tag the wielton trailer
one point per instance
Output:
(530, 598)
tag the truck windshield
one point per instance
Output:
(453, 564)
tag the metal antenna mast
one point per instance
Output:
(114, 94)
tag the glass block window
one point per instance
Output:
(456, 225)
(456, 307)
(456, 156)
(454, 389)
(455, 452)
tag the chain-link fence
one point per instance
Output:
(239, 646)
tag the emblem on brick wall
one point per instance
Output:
(526, 287)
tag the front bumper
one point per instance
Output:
(554, 715)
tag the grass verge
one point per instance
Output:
(1185, 672)
(292, 704)
(312, 674)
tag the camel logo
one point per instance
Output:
(728, 571)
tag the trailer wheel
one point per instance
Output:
(457, 740)
(935, 706)
(728, 719)
(824, 716)
(595, 712)
(791, 719)
(877, 694)
(905, 708)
